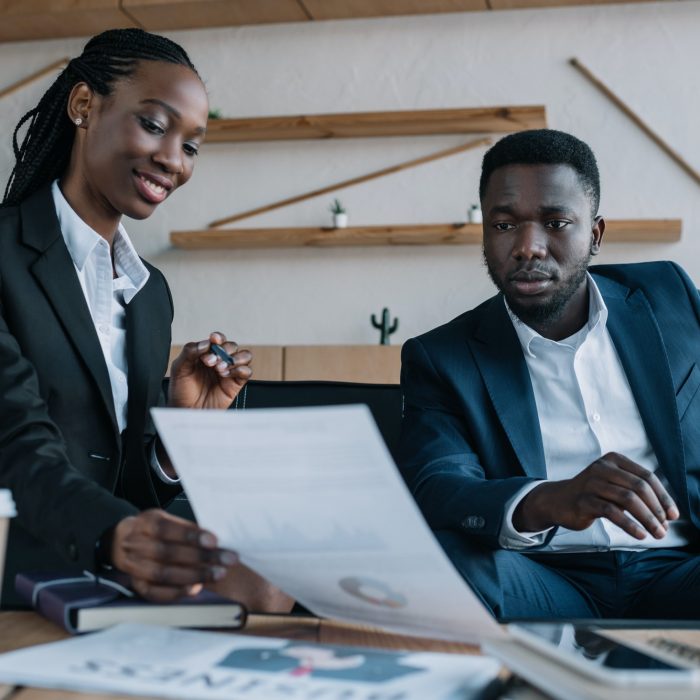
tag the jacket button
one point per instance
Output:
(473, 522)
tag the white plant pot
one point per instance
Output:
(475, 216)
(340, 220)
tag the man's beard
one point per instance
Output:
(549, 311)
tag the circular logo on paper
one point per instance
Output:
(372, 591)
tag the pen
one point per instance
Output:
(222, 354)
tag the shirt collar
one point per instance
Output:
(81, 240)
(597, 320)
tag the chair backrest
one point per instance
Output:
(383, 400)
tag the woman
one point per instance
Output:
(85, 324)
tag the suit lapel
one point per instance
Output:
(496, 346)
(54, 271)
(641, 350)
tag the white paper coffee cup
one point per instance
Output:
(7, 511)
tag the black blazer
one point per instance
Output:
(471, 438)
(71, 473)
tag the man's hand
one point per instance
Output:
(167, 557)
(199, 379)
(612, 487)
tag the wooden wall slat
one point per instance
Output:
(45, 19)
(375, 364)
(178, 14)
(48, 19)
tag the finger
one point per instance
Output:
(607, 509)
(202, 348)
(631, 484)
(645, 483)
(195, 348)
(217, 337)
(239, 374)
(667, 503)
(220, 358)
(231, 347)
(210, 359)
(216, 356)
(163, 526)
(635, 506)
(173, 575)
(241, 357)
(149, 549)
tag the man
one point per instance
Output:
(551, 435)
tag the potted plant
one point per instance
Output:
(340, 216)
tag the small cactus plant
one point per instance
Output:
(340, 216)
(337, 207)
(385, 327)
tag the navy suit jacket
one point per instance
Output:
(471, 436)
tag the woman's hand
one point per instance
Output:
(258, 595)
(200, 379)
(167, 557)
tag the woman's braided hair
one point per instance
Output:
(45, 150)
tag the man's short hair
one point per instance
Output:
(544, 147)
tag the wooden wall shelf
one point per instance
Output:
(617, 231)
(368, 124)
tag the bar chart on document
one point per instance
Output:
(266, 535)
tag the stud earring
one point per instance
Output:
(78, 121)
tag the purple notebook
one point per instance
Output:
(84, 602)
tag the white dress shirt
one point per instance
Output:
(107, 296)
(585, 408)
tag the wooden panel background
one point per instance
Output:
(376, 364)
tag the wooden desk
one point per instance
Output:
(23, 629)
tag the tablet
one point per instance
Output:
(586, 649)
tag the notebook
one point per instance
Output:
(85, 602)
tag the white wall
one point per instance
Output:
(648, 54)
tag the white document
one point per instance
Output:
(170, 663)
(311, 499)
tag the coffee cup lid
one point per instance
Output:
(7, 505)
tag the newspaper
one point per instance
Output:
(170, 663)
